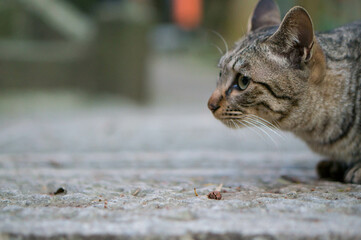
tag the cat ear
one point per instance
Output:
(295, 35)
(265, 14)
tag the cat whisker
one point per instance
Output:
(232, 121)
(219, 49)
(265, 123)
(275, 128)
(235, 112)
(263, 120)
(220, 36)
(246, 124)
(277, 124)
(260, 128)
(259, 123)
(251, 129)
(271, 126)
(267, 128)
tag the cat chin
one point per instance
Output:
(231, 124)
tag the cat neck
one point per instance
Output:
(327, 111)
(319, 115)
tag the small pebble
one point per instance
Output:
(215, 195)
(292, 194)
(60, 191)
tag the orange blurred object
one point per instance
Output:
(187, 13)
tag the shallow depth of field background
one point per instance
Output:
(78, 60)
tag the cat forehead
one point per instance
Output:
(237, 58)
(248, 46)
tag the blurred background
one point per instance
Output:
(134, 75)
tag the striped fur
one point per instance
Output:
(309, 85)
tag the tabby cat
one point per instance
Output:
(281, 73)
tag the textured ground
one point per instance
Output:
(130, 172)
(128, 195)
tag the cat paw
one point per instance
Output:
(332, 170)
(353, 175)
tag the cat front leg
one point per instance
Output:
(353, 174)
(332, 170)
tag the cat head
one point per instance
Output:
(269, 70)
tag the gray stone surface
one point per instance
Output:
(257, 201)
(129, 172)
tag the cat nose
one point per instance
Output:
(214, 100)
(212, 107)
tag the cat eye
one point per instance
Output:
(242, 81)
(220, 74)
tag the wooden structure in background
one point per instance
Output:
(49, 44)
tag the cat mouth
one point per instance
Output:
(232, 118)
(247, 120)
(231, 114)
(232, 122)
